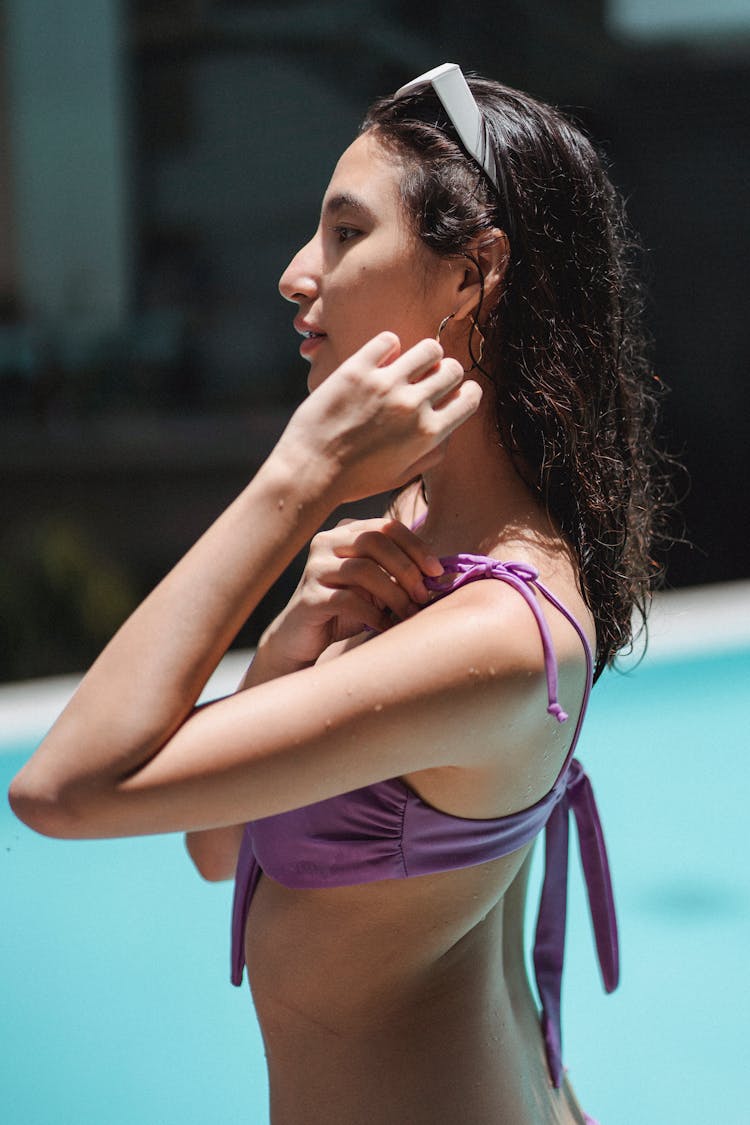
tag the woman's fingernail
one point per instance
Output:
(433, 566)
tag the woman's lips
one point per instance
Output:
(311, 342)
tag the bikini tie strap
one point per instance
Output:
(460, 569)
(549, 944)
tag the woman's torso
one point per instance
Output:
(408, 999)
(400, 1001)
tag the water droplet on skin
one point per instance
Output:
(491, 670)
(280, 503)
(378, 707)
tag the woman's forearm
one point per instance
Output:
(365, 430)
(148, 678)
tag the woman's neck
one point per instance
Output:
(477, 502)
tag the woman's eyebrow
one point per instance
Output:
(345, 201)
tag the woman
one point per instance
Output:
(392, 789)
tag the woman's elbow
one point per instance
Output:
(206, 863)
(45, 810)
(214, 853)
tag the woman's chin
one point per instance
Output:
(312, 381)
(316, 376)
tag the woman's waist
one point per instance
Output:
(442, 1044)
(366, 952)
(377, 1001)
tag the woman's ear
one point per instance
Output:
(486, 262)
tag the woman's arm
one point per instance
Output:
(361, 573)
(370, 424)
(439, 689)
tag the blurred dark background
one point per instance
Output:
(161, 160)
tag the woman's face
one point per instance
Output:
(364, 271)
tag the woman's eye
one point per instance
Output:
(343, 234)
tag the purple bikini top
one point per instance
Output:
(386, 831)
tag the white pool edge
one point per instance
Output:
(699, 621)
(30, 707)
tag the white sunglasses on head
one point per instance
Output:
(465, 115)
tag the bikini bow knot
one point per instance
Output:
(522, 570)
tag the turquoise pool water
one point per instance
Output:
(116, 1007)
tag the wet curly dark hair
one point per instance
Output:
(565, 345)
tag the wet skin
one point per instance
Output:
(408, 1001)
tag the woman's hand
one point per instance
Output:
(379, 419)
(360, 574)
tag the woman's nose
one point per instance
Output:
(299, 281)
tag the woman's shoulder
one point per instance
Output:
(507, 606)
(484, 635)
(498, 628)
(506, 684)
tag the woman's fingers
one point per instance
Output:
(453, 408)
(359, 573)
(351, 609)
(418, 361)
(382, 557)
(425, 367)
(377, 416)
(394, 547)
(443, 418)
(439, 383)
(369, 578)
(381, 350)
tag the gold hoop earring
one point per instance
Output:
(476, 362)
(443, 323)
